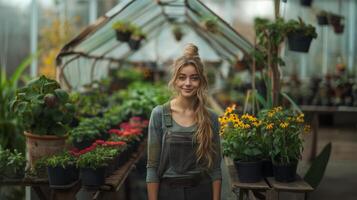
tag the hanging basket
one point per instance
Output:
(299, 42)
(338, 29)
(322, 20)
(41, 146)
(306, 2)
(123, 36)
(134, 44)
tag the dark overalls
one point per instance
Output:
(178, 153)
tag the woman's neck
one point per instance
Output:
(184, 103)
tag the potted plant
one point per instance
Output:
(136, 38)
(12, 164)
(177, 31)
(123, 30)
(83, 137)
(209, 23)
(242, 142)
(337, 23)
(93, 165)
(299, 35)
(61, 169)
(322, 18)
(286, 127)
(45, 112)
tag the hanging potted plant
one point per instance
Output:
(242, 142)
(337, 23)
(123, 30)
(209, 23)
(135, 39)
(177, 32)
(93, 165)
(306, 2)
(287, 145)
(61, 169)
(299, 35)
(46, 112)
(322, 18)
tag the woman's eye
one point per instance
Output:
(196, 78)
(181, 78)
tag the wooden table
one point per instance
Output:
(269, 186)
(112, 183)
(315, 111)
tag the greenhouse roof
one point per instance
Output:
(97, 44)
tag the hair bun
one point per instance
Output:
(191, 50)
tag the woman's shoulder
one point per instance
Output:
(157, 110)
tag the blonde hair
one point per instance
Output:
(205, 150)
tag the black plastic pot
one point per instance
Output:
(267, 168)
(62, 176)
(305, 2)
(299, 42)
(123, 36)
(93, 177)
(123, 157)
(134, 44)
(285, 173)
(249, 172)
(322, 20)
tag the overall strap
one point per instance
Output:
(167, 114)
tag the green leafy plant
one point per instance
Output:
(286, 128)
(241, 136)
(210, 23)
(123, 26)
(10, 126)
(177, 32)
(97, 158)
(64, 160)
(12, 164)
(138, 34)
(294, 26)
(43, 107)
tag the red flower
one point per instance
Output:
(135, 118)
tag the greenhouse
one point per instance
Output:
(178, 99)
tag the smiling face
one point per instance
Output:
(187, 81)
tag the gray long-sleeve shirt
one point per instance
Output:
(154, 146)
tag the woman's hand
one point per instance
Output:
(153, 191)
(216, 188)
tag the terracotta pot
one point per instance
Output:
(39, 146)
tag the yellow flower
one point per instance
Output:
(257, 123)
(271, 113)
(269, 126)
(221, 132)
(284, 125)
(307, 128)
(246, 126)
(277, 109)
(236, 126)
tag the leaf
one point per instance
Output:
(294, 105)
(62, 95)
(21, 68)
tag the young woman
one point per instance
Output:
(184, 147)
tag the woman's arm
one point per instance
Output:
(153, 190)
(154, 150)
(216, 188)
